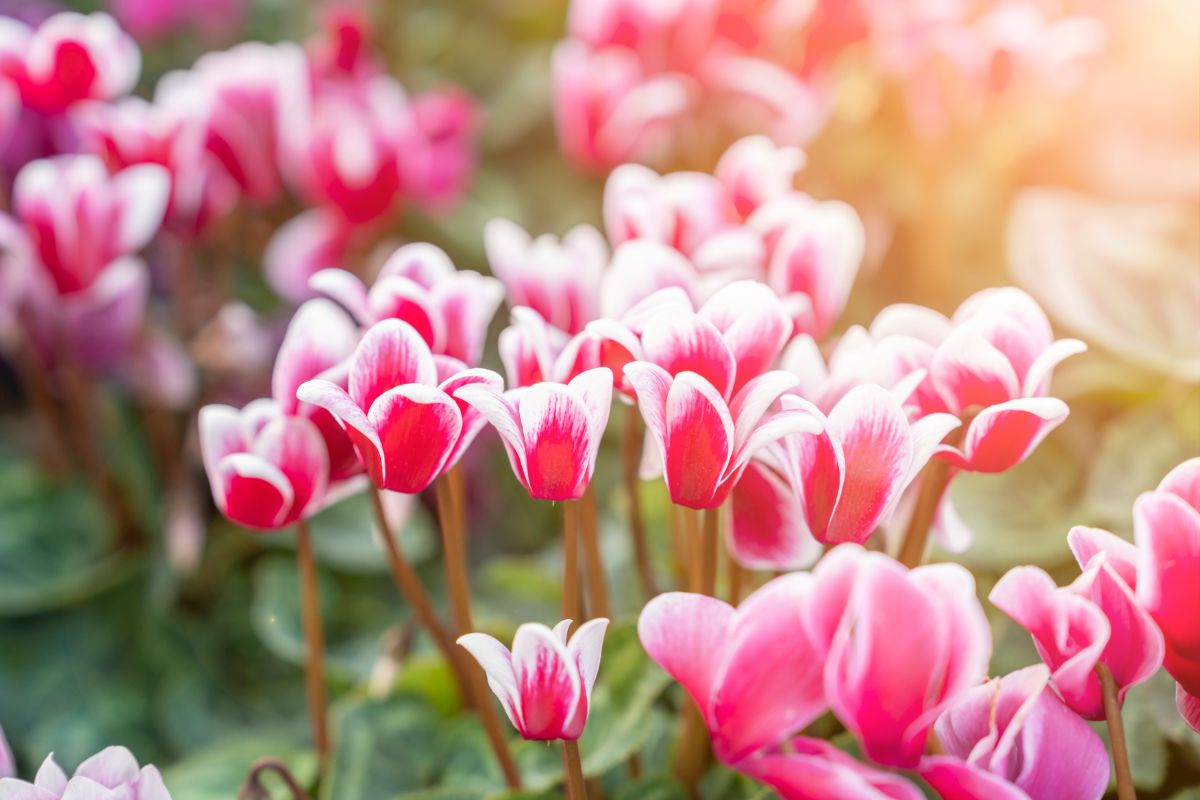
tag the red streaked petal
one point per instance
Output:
(548, 683)
(687, 635)
(1004, 435)
(699, 441)
(418, 426)
(393, 297)
(319, 337)
(769, 530)
(558, 446)
(391, 353)
(686, 342)
(968, 371)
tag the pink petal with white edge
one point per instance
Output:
(418, 427)
(1037, 380)
(500, 411)
(770, 684)
(390, 354)
(111, 767)
(595, 389)
(1184, 482)
(472, 421)
(295, 446)
(252, 492)
(497, 664)
(769, 531)
(688, 635)
(1189, 707)
(699, 441)
(1070, 633)
(421, 262)
(687, 343)
(51, 776)
(1011, 321)
(968, 371)
(548, 683)
(220, 431)
(1004, 435)
(816, 468)
(394, 297)
(816, 770)
(1122, 556)
(754, 339)
(143, 190)
(953, 779)
(584, 651)
(751, 403)
(319, 337)
(640, 268)
(873, 432)
(345, 289)
(555, 425)
(150, 785)
(354, 421)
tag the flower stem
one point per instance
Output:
(570, 593)
(691, 749)
(410, 586)
(735, 576)
(630, 459)
(573, 770)
(691, 541)
(598, 605)
(454, 547)
(935, 480)
(252, 789)
(710, 543)
(314, 638)
(1116, 734)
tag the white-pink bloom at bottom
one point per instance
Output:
(545, 682)
(111, 774)
(816, 770)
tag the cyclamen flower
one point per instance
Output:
(418, 284)
(71, 57)
(845, 480)
(754, 671)
(551, 431)
(992, 363)
(994, 738)
(545, 682)
(812, 769)
(703, 442)
(8, 767)
(398, 408)
(886, 689)
(267, 470)
(113, 772)
(1094, 620)
(559, 279)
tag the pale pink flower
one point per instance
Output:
(995, 742)
(309, 243)
(398, 407)
(448, 119)
(111, 773)
(551, 431)
(545, 683)
(812, 769)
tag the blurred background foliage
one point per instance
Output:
(199, 670)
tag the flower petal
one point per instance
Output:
(548, 683)
(345, 289)
(769, 530)
(968, 371)
(390, 354)
(687, 635)
(319, 337)
(418, 427)
(755, 340)
(497, 664)
(699, 441)
(1004, 435)
(555, 427)
(686, 342)
(816, 770)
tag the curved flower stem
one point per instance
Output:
(631, 437)
(314, 638)
(735, 576)
(409, 584)
(454, 547)
(598, 605)
(1116, 734)
(573, 770)
(570, 594)
(35, 380)
(691, 749)
(710, 544)
(252, 789)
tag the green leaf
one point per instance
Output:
(344, 536)
(218, 771)
(381, 748)
(654, 787)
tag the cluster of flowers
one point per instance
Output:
(636, 81)
(98, 174)
(111, 773)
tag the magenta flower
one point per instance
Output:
(559, 279)
(301, 248)
(992, 362)
(551, 431)
(111, 773)
(319, 340)
(267, 470)
(545, 682)
(1094, 620)
(448, 120)
(888, 690)
(398, 408)
(995, 741)
(703, 442)
(71, 57)
(755, 672)
(811, 769)
(418, 284)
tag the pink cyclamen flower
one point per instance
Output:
(991, 362)
(319, 340)
(81, 219)
(1167, 531)
(267, 470)
(545, 682)
(995, 742)
(551, 431)
(449, 308)
(111, 773)
(703, 442)
(559, 279)
(888, 690)
(1095, 620)
(448, 120)
(754, 671)
(72, 57)
(1189, 707)
(812, 769)
(398, 407)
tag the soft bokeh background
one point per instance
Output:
(187, 647)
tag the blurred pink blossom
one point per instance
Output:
(113, 772)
